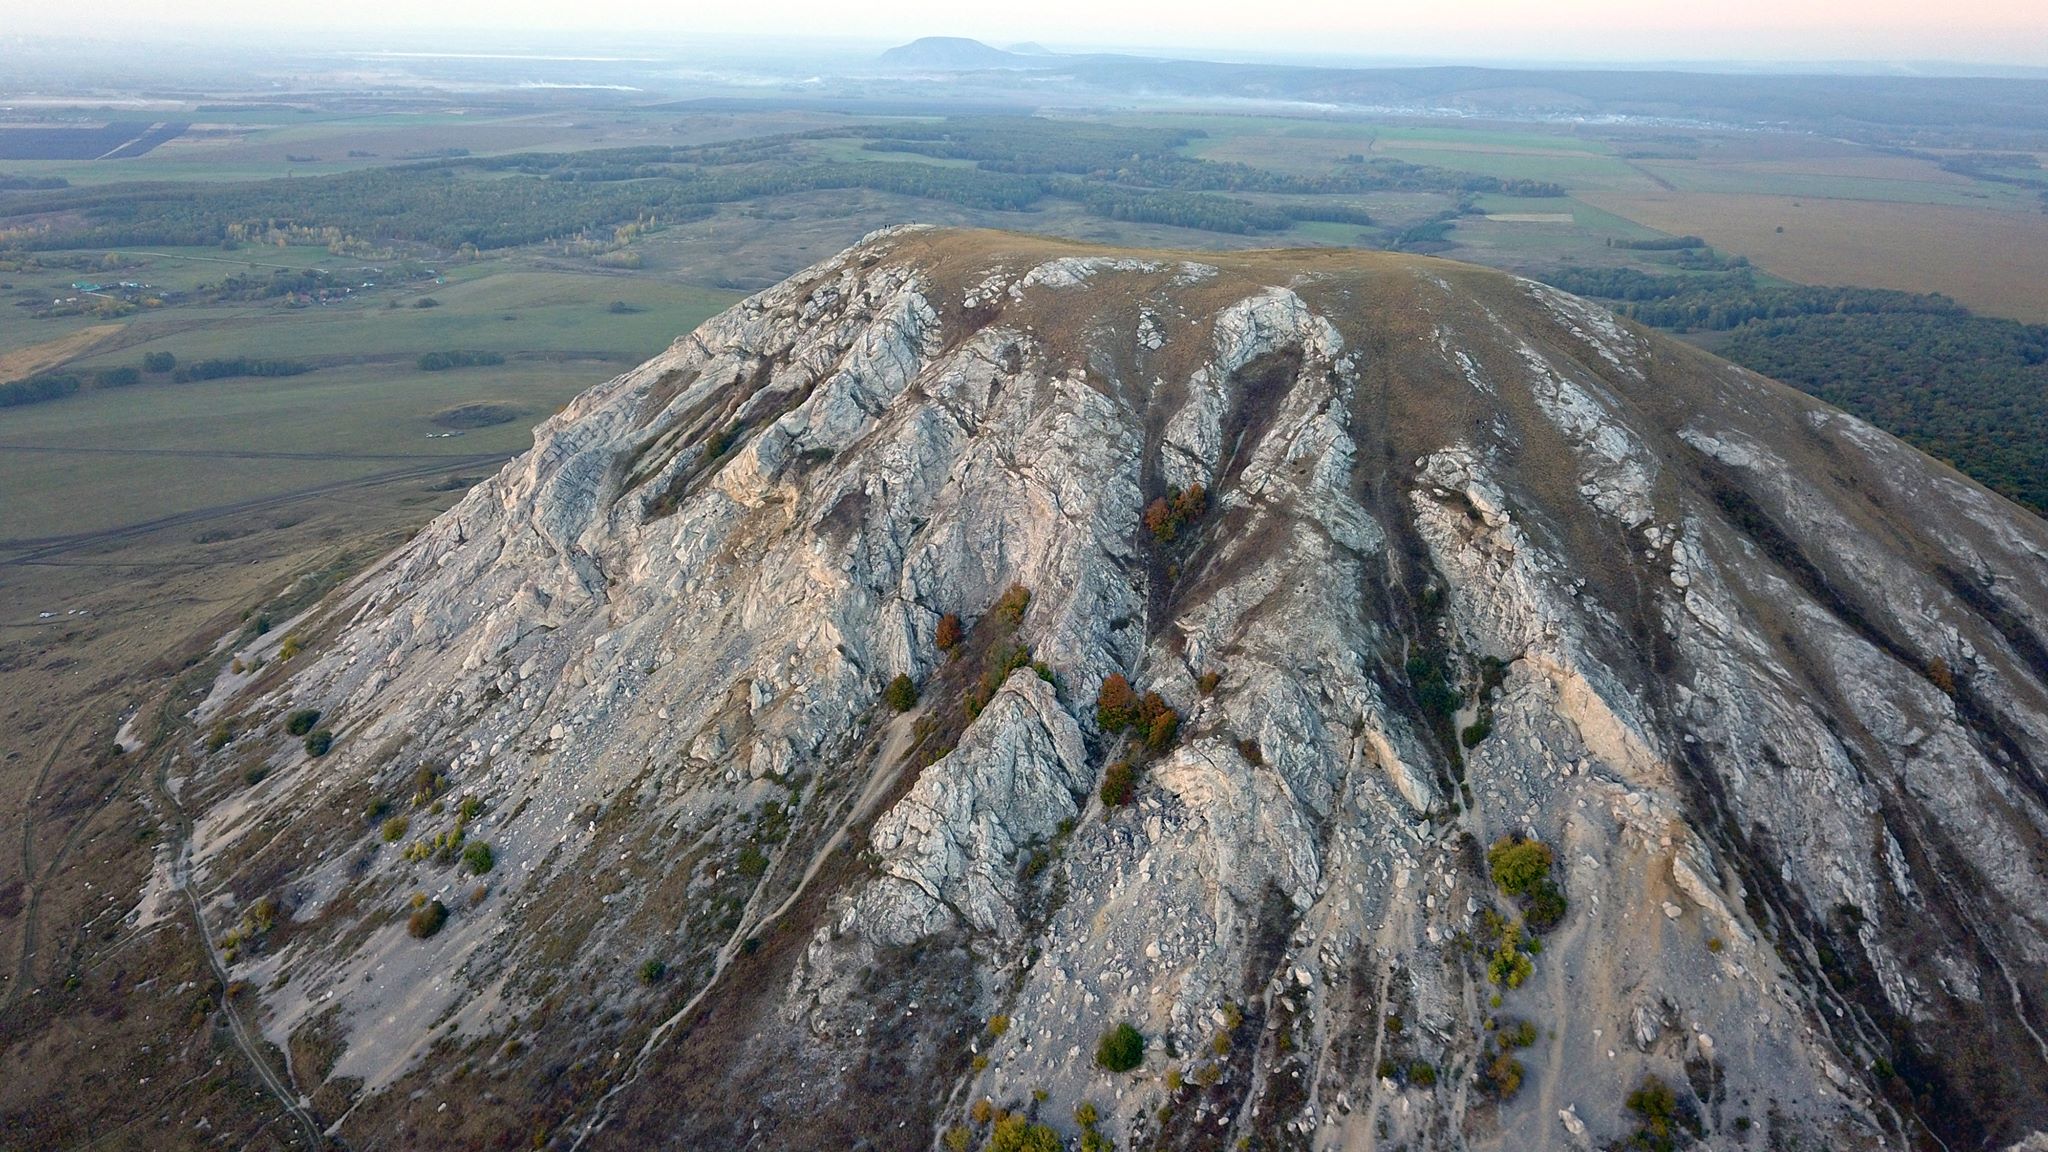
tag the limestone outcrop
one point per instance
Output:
(1416, 562)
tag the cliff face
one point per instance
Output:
(1470, 564)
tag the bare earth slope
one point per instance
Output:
(1475, 562)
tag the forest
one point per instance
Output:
(1968, 389)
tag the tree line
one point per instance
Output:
(1968, 389)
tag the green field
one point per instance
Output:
(111, 457)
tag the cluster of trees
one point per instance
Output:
(1151, 158)
(56, 385)
(11, 182)
(442, 361)
(283, 282)
(222, 369)
(1659, 243)
(1968, 389)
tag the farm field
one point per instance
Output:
(1994, 262)
(109, 459)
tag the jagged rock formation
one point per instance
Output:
(1474, 562)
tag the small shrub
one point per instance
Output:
(158, 361)
(998, 1024)
(1019, 1134)
(959, 1138)
(1118, 783)
(950, 633)
(301, 722)
(901, 694)
(752, 863)
(1085, 1114)
(478, 858)
(428, 782)
(1010, 606)
(651, 971)
(1518, 865)
(1159, 737)
(1422, 1073)
(979, 1063)
(1510, 966)
(291, 647)
(1249, 749)
(1714, 944)
(1519, 1034)
(427, 919)
(1941, 676)
(1158, 517)
(318, 742)
(1207, 682)
(426, 302)
(219, 737)
(1116, 704)
(982, 1111)
(470, 808)
(1476, 731)
(395, 829)
(1660, 1116)
(1545, 909)
(1501, 1078)
(1121, 1049)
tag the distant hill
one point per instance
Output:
(952, 53)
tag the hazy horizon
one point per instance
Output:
(1992, 33)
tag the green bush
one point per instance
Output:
(1510, 965)
(651, 971)
(301, 722)
(318, 742)
(1015, 1133)
(1521, 868)
(1660, 1115)
(1118, 783)
(1121, 1049)
(1519, 865)
(395, 829)
(427, 919)
(478, 858)
(901, 694)
(158, 361)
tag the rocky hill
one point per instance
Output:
(988, 690)
(956, 54)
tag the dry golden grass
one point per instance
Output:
(51, 353)
(1994, 262)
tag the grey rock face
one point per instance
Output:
(1476, 561)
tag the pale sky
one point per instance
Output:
(1987, 31)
